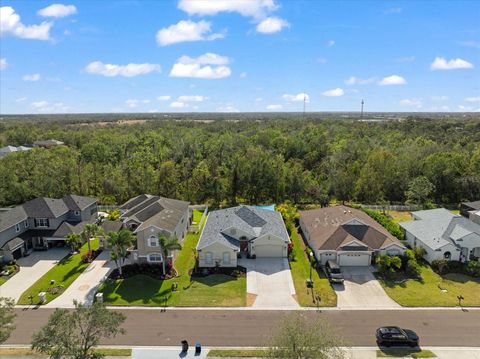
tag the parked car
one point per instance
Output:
(333, 271)
(395, 336)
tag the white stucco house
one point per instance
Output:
(443, 235)
(241, 230)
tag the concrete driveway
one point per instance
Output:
(362, 291)
(32, 268)
(84, 287)
(270, 280)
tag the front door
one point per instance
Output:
(243, 246)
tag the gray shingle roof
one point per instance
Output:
(11, 217)
(78, 203)
(45, 208)
(13, 244)
(252, 220)
(439, 227)
(67, 228)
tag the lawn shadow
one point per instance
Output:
(460, 278)
(212, 280)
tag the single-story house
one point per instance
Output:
(443, 235)
(10, 149)
(242, 229)
(347, 235)
(151, 216)
(47, 143)
(469, 208)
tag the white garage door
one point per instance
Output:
(354, 260)
(269, 250)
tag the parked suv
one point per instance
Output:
(395, 336)
(333, 271)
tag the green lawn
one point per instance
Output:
(197, 216)
(300, 269)
(238, 353)
(13, 269)
(398, 216)
(210, 291)
(64, 273)
(401, 353)
(428, 293)
(9, 352)
(3, 279)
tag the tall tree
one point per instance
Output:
(166, 246)
(75, 334)
(89, 232)
(119, 242)
(73, 240)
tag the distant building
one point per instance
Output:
(47, 143)
(466, 208)
(10, 149)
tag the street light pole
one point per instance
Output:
(311, 257)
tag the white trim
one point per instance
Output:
(361, 244)
(156, 255)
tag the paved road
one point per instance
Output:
(253, 328)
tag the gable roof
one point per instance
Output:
(149, 210)
(67, 228)
(78, 203)
(475, 205)
(331, 228)
(250, 219)
(11, 217)
(45, 208)
(439, 227)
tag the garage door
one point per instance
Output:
(354, 259)
(269, 250)
(17, 254)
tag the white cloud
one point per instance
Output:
(331, 43)
(258, 99)
(228, 108)
(405, 59)
(393, 10)
(21, 99)
(243, 75)
(207, 66)
(439, 98)
(3, 63)
(472, 99)
(474, 44)
(271, 25)
(186, 30)
(132, 103)
(274, 107)
(164, 98)
(334, 92)
(441, 63)
(178, 104)
(392, 80)
(192, 98)
(57, 10)
(32, 77)
(411, 102)
(468, 108)
(322, 60)
(45, 106)
(300, 97)
(130, 70)
(249, 8)
(352, 80)
(10, 23)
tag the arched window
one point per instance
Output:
(152, 241)
(447, 255)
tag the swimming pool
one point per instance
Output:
(270, 207)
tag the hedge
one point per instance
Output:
(387, 222)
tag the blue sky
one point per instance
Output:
(252, 55)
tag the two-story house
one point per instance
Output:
(151, 217)
(42, 223)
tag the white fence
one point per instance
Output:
(391, 207)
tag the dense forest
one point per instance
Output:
(305, 160)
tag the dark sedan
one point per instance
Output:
(395, 336)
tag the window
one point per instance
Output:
(155, 257)
(209, 258)
(447, 255)
(17, 227)
(41, 222)
(25, 223)
(226, 258)
(153, 241)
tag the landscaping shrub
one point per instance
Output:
(386, 222)
(412, 269)
(443, 266)
(473, 268)
(439, 265)
(388, 265)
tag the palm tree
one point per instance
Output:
(119, 242)
(90, 231)
(73, 240)
(167, 245)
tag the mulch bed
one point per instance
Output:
(232, 272)
(153, 270)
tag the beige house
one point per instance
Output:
(151, 217)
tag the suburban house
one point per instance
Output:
(43, 223)
(47, 143)
(10, 149)
(346, 235)
(151, 216)
(443, 235)
(242, 229)
(471, 209)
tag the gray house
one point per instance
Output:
(443, 235)
(43, 223)
(151, 217)
(242, 229)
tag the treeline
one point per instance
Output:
(305, 161)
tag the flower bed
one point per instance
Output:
(153, 270)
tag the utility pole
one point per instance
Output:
(361, 112)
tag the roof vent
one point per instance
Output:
(344, 212)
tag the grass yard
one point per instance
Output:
(400, 216)
(27, 352)
(413, 293)
(238, 353)
(401, 353)
(211, 291)
(13, 269)
(197, 215)
(63, 273)
(300, 269)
